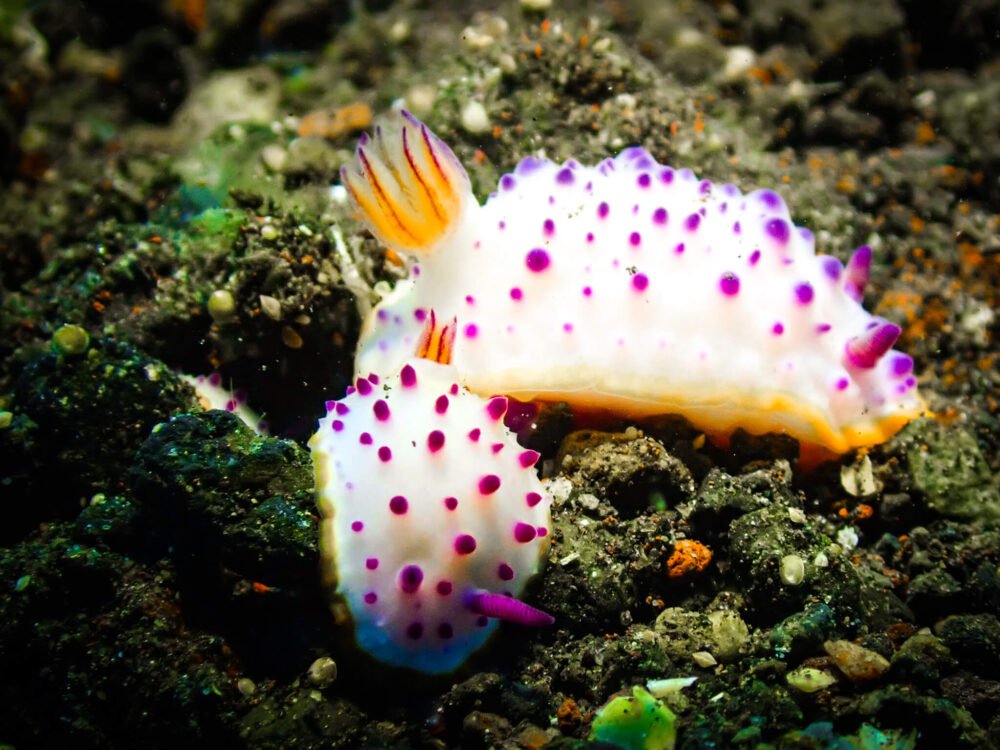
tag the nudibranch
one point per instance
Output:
(433, 516)
(629, 287)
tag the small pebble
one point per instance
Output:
(274, 157)
(269, 232)
(246, 686)
(221, 306)
(323, 671)
(291, 338)
(857, 663)
(810, 679)
(420, 99)
(270, 306)
(474, 118)
(71, 340)
(793, 570)
(703, 659)
(858, 478)
(6, 418)
(536, 6)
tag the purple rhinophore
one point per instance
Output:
(506, 608)
(902, 364)
(565, 176)
(639, 282)
(859, 267)
(537, 260)
(691, 222)
(832, 267)
(603, 209)
(777, 229)
(408, 376)
(410, 578)
(804, 293)
(660, 216)
(496, 407)
(729, 284)
(865, 350)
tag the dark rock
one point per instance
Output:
(922, 659)
(803, 632)
(974, 640)
(153, 75)
(933, 594)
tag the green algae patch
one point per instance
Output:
(639, 722)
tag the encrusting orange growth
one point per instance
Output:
(689, 557)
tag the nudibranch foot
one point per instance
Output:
(407, 184)
(434, 518)
(637, 288)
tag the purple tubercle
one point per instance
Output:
(548, 227)
(474, 434)
(537, 260)
(667, 176)
(451, 503)
(381, 410)
(330, 406)
(371, 563)
(441, 405)
(444, 588)
(496, 447)
(496, 407)
(435, 441)
(408, 376)
(524, 532)
(635, 239)
(341, 408)
(729, 284)
(471, 331)
(778, 328)
(679, 250)
(507, 608)
(639, 282)
(856, 274)
(587, 291)
(445, 631)
(533, 499)
(691, 222)
(528, 458)
(385, 454)
(804, 293)
(505, 572)
(373, 378)
(357, 527)
(415, 631)
(420, 315)
(754, 258)
(410, 578)
(777, 229)
(603, 209)
(399, 505)
(465, 544)
(365, 438)
(363, 386)
(507, 182)
(705, 187)
(660, 216)
(337, 425)
(488, 484)
(565, 176)
(902, 364)
(824, 328)
(865, 350)
(643, 180)
(842, 384)
(770, 199)
(516, 294)
(528, 164)
(832, 267)
(371, 597)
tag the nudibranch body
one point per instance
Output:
(433, 516)
(630, 287)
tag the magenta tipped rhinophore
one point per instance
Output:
(865, 350)
(506, 608)
(856, 274)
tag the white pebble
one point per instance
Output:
(793, 570)
(420, 99)
(274, 157)
(323, 671)
(474, 118)
(704, 659)
(536, 5)
(269, 232)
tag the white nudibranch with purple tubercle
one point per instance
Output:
(629, 288)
